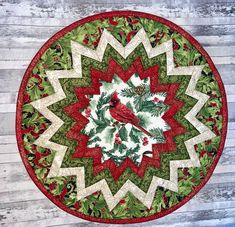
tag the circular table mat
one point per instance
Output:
(121, 117)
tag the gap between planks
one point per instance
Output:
(81, 8)
(28, 42)
(18, 54)
(61, 22)
(51, 213)
(222, 222)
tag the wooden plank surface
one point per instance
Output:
(26, 24)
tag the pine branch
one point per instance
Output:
(158, 134)
(164, 94)
(138, 101)
(143, 120)
(127, 92)
(130, 84)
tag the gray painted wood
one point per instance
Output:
(23, 23)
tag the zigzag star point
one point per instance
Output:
(44, 140)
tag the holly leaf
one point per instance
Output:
(103, 100)
(97, 122)
(123, 134)
(133, 151)
(34, 93)
(185, 187)
(122, 147)
(100, 128)
(28, 108)
(147, 106)
(109, 134)
(134, 135)
(91, 133)
(96, 139)
(173, 200)
(40, 173)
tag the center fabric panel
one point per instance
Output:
(121, 118)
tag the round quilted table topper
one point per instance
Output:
(121, 117)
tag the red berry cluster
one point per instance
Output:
(88, 112)
(156, 100)
(117, 139)
(145, 141)
(122, 201)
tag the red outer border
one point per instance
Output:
(61, 33)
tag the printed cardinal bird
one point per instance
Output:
(122, 113)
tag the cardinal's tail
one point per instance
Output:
(143, 130)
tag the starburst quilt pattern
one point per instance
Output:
(121, 118)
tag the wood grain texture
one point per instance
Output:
(26, 24)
